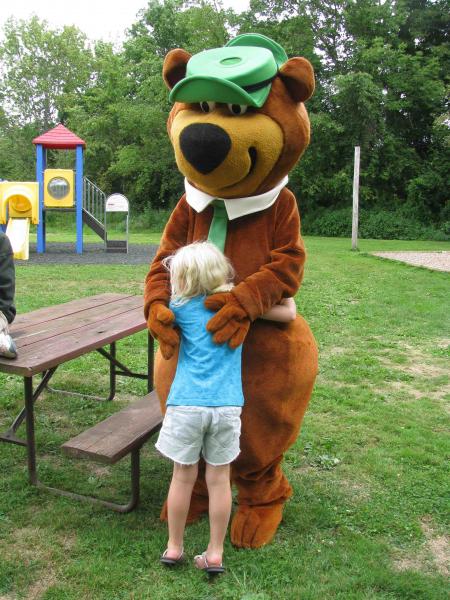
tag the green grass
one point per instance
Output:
(368, 516)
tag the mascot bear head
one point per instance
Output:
(238, 124)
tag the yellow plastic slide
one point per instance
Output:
(18, 231)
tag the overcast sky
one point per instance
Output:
(96, 18)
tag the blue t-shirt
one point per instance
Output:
(208, 374)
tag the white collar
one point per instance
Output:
(235, 207)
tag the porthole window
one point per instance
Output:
(58, 188)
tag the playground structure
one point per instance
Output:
(62, 190)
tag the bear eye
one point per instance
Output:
(207, 107)
(237, 109)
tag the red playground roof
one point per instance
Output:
(59, 137)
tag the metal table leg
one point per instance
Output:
(120, 508)
(150, 361)
(31, 444)
(27, 414)
(32, 467)
(10, 434)
(111, 356)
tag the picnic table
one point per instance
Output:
(49, 337)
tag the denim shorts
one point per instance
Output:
(190, 431)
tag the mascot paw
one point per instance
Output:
(231, 323)
(198, 507)
(255, 526)
(160, 323)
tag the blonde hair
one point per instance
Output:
(198, 269)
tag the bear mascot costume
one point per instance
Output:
(237, 126)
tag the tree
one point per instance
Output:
(192, 25)
(39, 67)
(144, 159)
(381, 69)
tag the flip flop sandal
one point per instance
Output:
(171, 562)
(210, 569)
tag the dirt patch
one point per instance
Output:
(438, 546)
(100, 470)
(29, 545)
(126, 398)
(436, 261)
(29, 542)
(416, 362)
(410, 391)
(434, 555)
(408, 564)
(358, 490)
(443, 343)
(406, 389)
(303, 469)
(332, 351)
(425, 369)
(38, 589)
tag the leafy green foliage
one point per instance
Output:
(373, 224)
(381, 71)
(41, 68)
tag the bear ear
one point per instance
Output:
(298, 76)
(174, 68)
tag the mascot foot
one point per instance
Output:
(198, 507)
(255, 526)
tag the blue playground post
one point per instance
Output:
(79, 197)
(40, 167)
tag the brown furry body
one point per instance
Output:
(279, 363)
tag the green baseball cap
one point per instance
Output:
(239, 73)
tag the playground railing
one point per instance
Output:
(94, 200)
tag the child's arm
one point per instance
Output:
(282, 313)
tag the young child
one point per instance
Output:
(7, 288)
(205, 400)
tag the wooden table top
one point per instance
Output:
(51, 336)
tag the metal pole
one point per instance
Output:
(31, 444)
(355, 199)
(79, 197)
(112, 372)
(150, 361)
(40, 167)
(105, 240)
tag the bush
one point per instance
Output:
(150, 219)
(374, 224)
(332, 223)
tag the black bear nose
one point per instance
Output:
(205, 146)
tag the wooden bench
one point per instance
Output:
(120, 434)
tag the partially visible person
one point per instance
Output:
(205, 400)
(282, 313)
(7, 289)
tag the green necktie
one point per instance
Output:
(218, 228)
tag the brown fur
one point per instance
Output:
(279, 363)
(175, 66)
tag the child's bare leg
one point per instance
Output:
(219, 490)
(178, 500)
